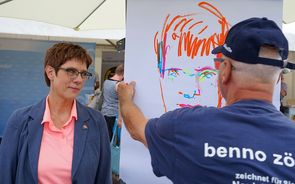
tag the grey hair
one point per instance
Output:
(251, 73)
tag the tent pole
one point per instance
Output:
(3, 2)
(78, 26)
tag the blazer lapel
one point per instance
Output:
(80, 136)
(35, 132)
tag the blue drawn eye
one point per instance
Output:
(173, 72)
(207, 74)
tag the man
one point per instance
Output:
(248, 140)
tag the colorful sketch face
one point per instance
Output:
(188, 75)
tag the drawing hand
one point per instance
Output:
(126, 91)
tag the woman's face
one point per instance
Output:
(66, 85)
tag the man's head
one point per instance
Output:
(245, 39)
(60, 53)
(254, 54)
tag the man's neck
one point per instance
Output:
(262, 92)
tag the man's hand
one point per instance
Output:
(133, 118)
(126, 91)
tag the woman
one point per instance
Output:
(57, 140)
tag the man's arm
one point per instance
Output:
(133, 118)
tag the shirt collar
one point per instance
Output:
(47, 116)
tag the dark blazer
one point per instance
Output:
(19, 150)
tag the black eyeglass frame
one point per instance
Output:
(219, 60)
(73, 73)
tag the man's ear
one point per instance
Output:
(50, 72)
(226, 72)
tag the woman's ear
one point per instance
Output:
(50, 72)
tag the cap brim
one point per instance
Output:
(217, 50)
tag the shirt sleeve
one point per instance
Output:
(159, 134)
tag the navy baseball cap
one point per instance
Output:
(245, 39)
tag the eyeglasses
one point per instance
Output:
(219, 60)
(74, 73)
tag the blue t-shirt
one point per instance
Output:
(245, 143)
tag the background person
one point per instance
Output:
(236, 142)
(110, 98)
(95, 100)
(283, 93)
(57, 140)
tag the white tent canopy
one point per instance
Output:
(82, 20)
(289, 31)
(289, 22)
(17, 28)
(288, 11)
(78, 14)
